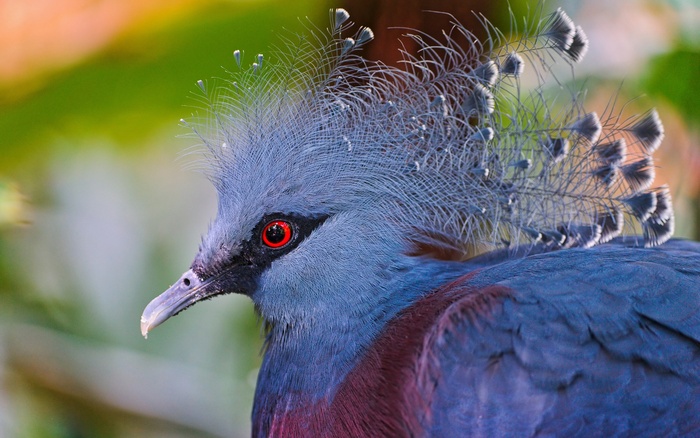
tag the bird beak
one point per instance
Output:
(185, 292)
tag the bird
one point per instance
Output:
(454, 246)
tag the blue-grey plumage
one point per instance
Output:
(603, 341)
(353, 197)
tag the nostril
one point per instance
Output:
(186, 281)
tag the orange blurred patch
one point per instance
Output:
(42, 35)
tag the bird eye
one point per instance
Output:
(277, 234)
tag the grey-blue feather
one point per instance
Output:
(319, 129)
(603, 341)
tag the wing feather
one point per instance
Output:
(608, 329)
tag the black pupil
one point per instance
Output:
(275, 233)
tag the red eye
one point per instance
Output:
(276, 234)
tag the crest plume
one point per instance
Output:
(454, 146)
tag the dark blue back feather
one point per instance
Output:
(597, 342)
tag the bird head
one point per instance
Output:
(334, 173)
(300, 211)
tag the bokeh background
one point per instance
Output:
(100, 209)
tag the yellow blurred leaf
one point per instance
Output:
(13, 206)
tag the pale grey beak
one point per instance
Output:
(185, 292)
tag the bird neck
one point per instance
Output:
(305, 364)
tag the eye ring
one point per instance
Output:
(277, 234)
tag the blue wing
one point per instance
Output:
(596, 342)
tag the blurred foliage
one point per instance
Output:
(129, 89)
(12, 205)
(669, 75)
(97, 216)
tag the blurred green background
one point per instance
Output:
(100, 211)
